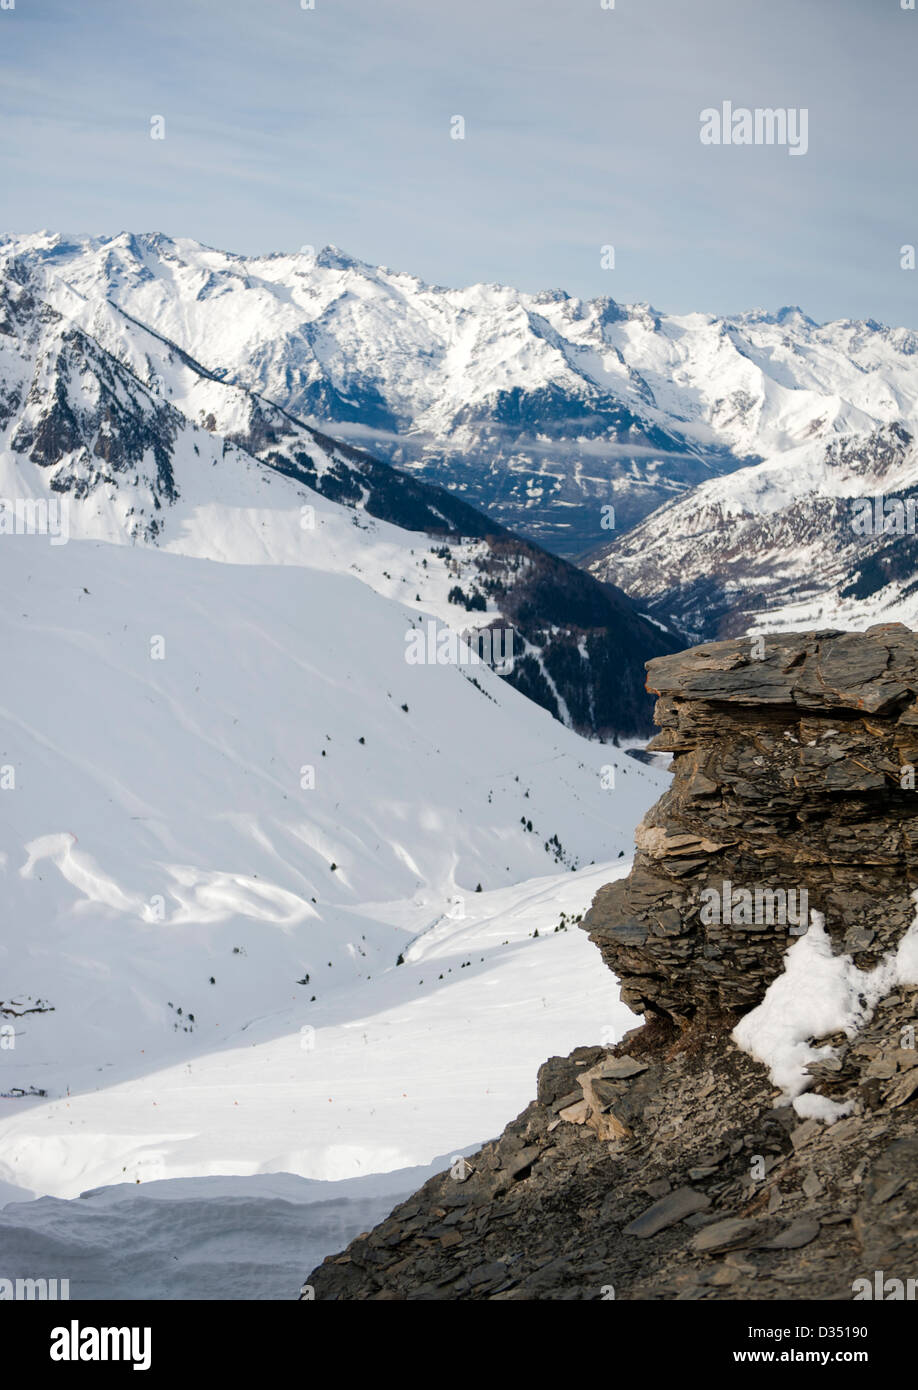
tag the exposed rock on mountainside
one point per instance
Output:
(708, 1191)
(669, 1166)
(792, 760)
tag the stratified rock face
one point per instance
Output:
(793, 791)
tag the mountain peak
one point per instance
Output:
(793, 313)
(333, 258)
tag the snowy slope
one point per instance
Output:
(540, 407)
(161, 831)
(783, 544)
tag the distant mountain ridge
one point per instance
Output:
(706, 466)
(539, 408)
(151, 447)
(824, 535)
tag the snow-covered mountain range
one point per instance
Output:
(823, 535)
(540, 408)
(147, 445)
(524, 404)
(546, 411)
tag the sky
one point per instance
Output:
(287, 126)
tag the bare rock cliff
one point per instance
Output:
(794, 783)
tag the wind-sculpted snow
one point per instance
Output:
(228, 806)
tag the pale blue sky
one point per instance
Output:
(287, 126)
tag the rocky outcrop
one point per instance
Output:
(793, 790)
(688, 1181)
(670, 1167)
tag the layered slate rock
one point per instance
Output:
(794, 774)
(710, 1190)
